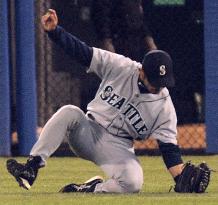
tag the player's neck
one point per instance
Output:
(142, 87)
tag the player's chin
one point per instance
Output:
(155, 90)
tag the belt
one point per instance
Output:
(90, 116)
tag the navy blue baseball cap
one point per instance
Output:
(158, 67)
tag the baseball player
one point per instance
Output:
(132, 103)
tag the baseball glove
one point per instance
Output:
(193, 178)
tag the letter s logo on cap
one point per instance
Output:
(162, 70)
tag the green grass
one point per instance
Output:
(61, 171)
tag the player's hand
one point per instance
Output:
(49, 20)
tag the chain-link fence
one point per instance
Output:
(176, 26)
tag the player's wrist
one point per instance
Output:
(53, 30)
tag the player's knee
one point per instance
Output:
(134, 184)
(133, 179)
(71, 112)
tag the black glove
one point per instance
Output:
(193, 178)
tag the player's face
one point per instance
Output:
(152, 89)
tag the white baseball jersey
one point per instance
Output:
(120, 107)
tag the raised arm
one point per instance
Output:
(74, 47)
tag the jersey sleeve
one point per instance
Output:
(166, 124)
(73, 46)
(105, 63)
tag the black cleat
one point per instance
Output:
(88, 186)
(25, 174)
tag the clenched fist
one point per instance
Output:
(49, 20)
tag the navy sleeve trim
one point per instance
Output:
(74, 47)
(171, 154)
